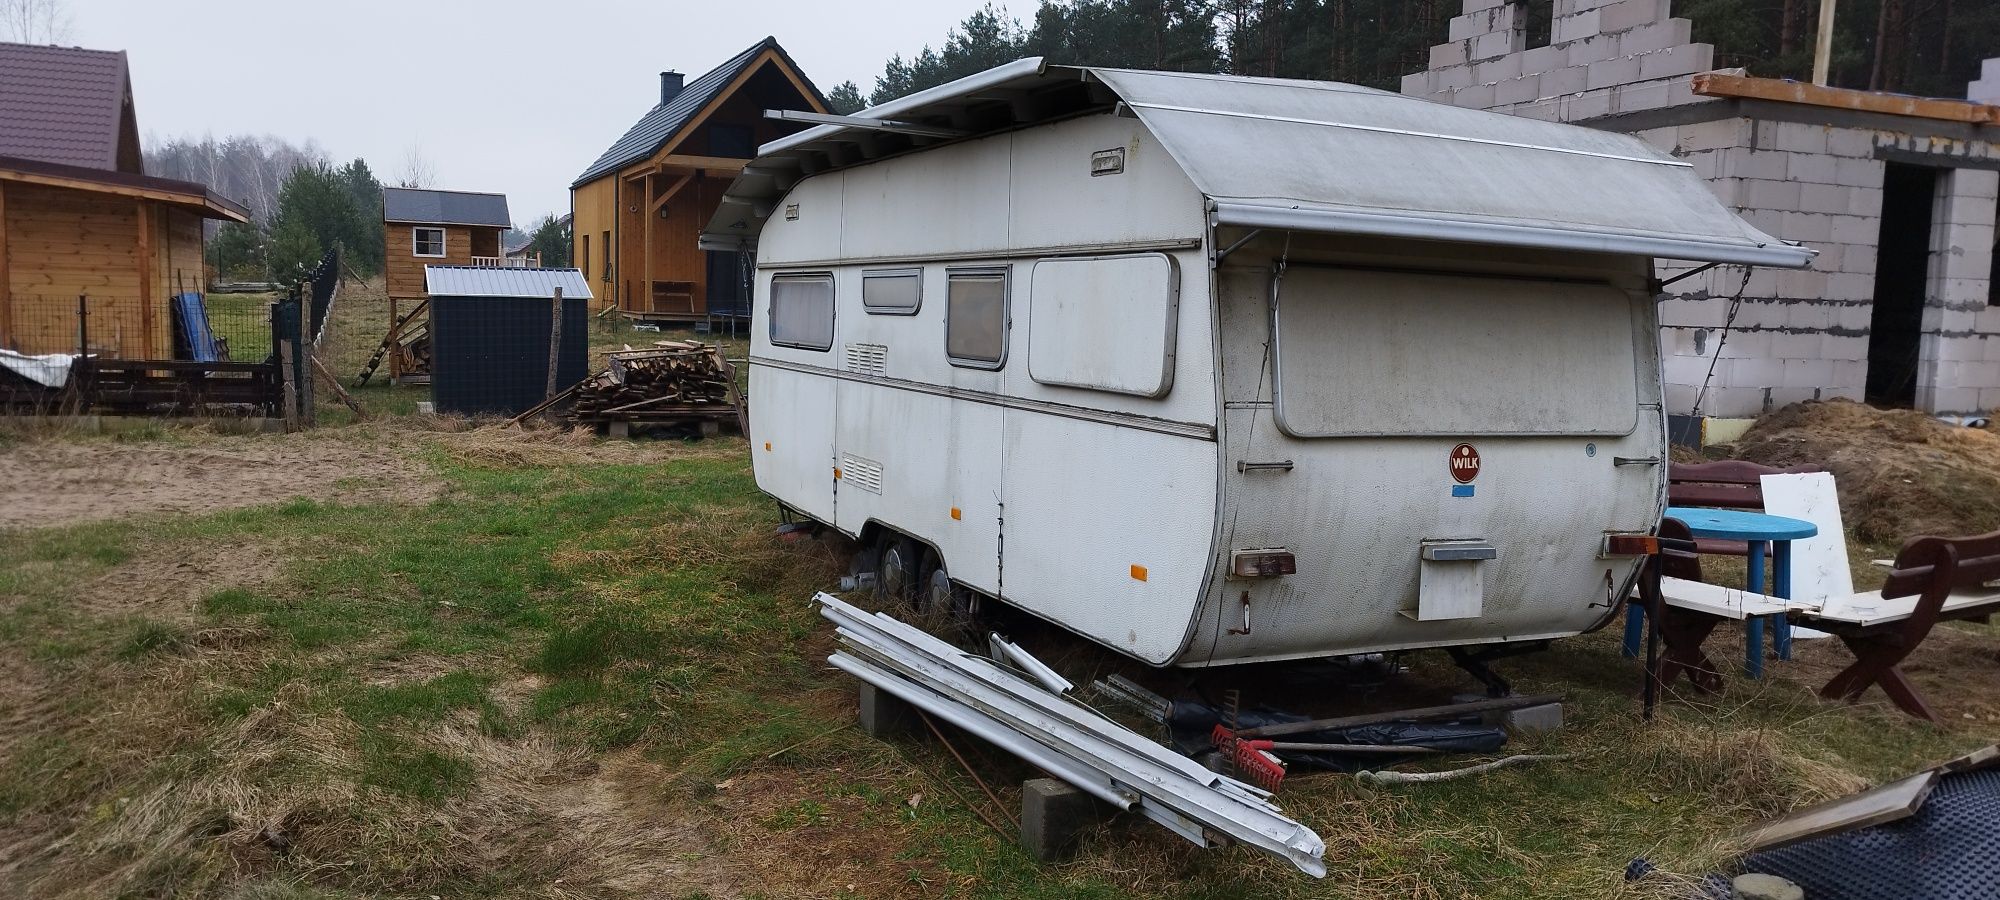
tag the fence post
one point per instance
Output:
(555, 342)
(303, 354)
(82, 325)
(283, 336)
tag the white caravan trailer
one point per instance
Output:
(1216, 369)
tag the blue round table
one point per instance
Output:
(1758, 530)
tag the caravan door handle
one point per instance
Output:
(1635, 460)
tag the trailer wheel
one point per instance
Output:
(896, 570)
(940, 596)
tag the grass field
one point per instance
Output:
(579, 675)
(589, 669)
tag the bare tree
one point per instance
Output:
(35, 21)
(417, 169)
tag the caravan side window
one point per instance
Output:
(975, 317)
(892, 292)
(802, 310)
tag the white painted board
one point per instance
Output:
(1819, 563)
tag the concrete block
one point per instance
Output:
(1795, 346)
(1575, 27)
(1493, 45)
(1856, 229)
(1478, 96)
(1545, 110)
(1565, 80)
(1825, 198)
(1643, 95)
(1546, 58)
(1715, 135)
(1609, 72)
(1684, 60)
(1861, 173)
(1747, 162)
(1798, 137)
(1746, 345)
(1769, 221)
(1761, 193)
(1813, 168)
(1587, 105)
(1810, 228)
(1497, 70)
(1631, 14)
(1531, 719)
(1829, 257)
(885, 715)
(1707, 164)
(1452, 78)
(1852, 143)
(1976, 183)
(1842, 348)
(1524, 89)
(1455, 53)
(1807, 373)
(1591, 48)
(1850, 287)
(1858, 259)
(1465, 26)
(1053, 816)
(1417, 84)
(1656, 36)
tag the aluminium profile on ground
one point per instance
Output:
(1065, 738)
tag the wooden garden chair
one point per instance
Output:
(1934, 580)
(1728, 484)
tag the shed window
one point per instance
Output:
(802, 311)
(892, 292)
(427, 241)
(975, 318)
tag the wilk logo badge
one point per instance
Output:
(1464, 463)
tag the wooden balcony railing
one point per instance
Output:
(508, 262)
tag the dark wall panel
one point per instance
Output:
(490, 355)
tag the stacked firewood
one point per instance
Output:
(674, 381)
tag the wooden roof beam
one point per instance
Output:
(1716, 84)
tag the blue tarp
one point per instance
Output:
(196, 339)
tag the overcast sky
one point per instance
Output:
(518, 96)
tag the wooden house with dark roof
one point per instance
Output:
(79, 218)
(639, 209)
(438, 228)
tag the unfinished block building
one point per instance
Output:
(1896, 193)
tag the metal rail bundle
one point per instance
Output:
(1068, 740)
(675, 381)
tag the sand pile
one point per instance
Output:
(1901, 473)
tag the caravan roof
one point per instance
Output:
(1313, 156)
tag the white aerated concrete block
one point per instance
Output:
(1824, 198)
(1494, 44)
(1455, 53)
(1850, 142)
(1536, 60)
(1685, 60)
(1576, 27)
(1566, 80)
(1610, 72)
(1631, 14)
(1656, 36)
(1524, 89)
(1813, 168)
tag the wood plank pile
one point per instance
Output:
(674, 382)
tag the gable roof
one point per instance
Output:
(67, 105)
(662, 122)
(1323, 156)
(187, 195)
(427, 207)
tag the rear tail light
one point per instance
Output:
(1262, 563)
(1631, 545)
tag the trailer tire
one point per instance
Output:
(897, 567)
(940, 596)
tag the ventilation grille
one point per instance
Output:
(865, 474)
(868, 359)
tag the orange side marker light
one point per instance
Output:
(1139, 573)
(954, 513)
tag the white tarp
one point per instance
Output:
(50, 371)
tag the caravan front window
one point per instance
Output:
(975, 317)
(1363, 352)
(801, 312)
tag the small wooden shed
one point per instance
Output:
(124, 242)
(490, 340)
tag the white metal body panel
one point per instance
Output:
(1356, 511)
(1039, 476)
